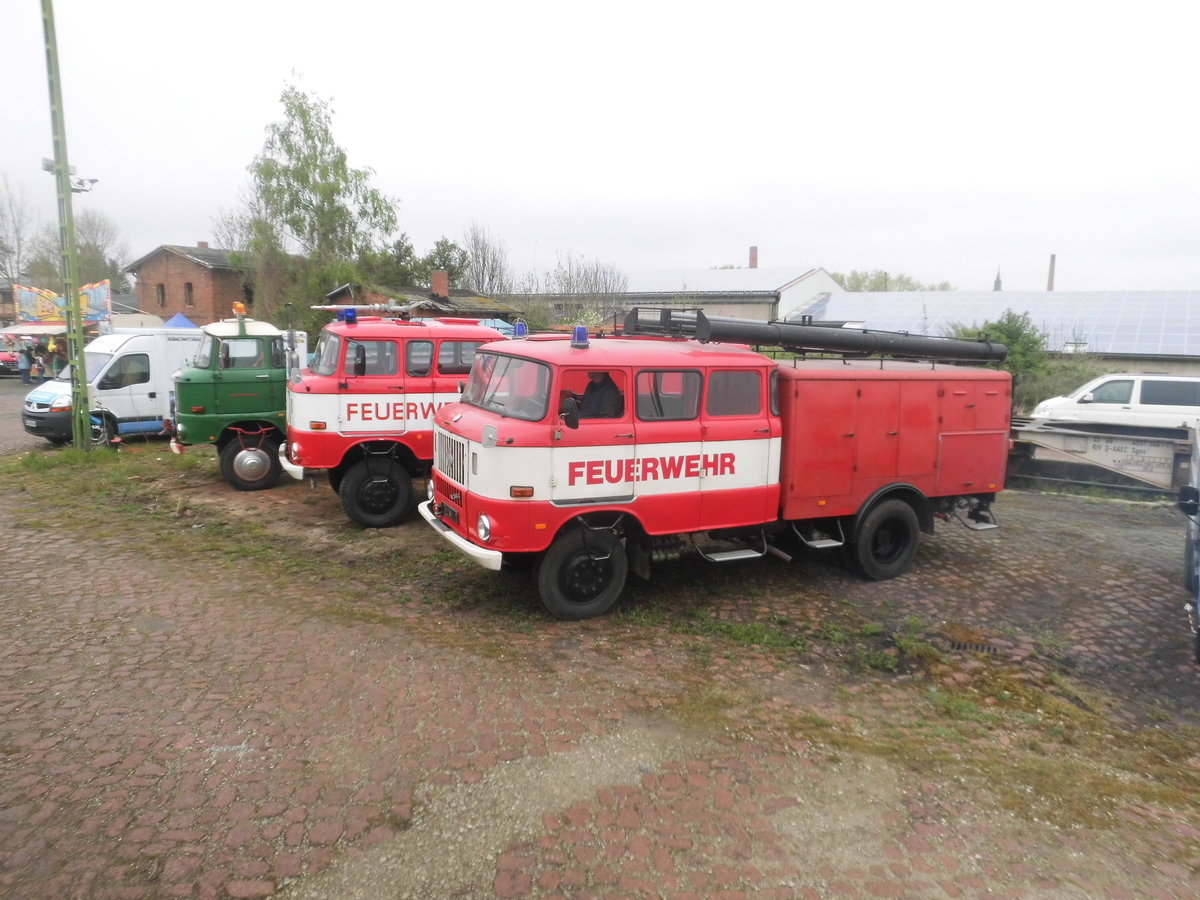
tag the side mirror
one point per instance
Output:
(360, 360)
(568, 411)
(1087, 398)
(1189, 500)
(224, 355)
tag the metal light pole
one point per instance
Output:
(80, 421)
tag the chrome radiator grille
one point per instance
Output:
(450, 457)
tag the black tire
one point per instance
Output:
(1191, 581)
(582, 574)
(887, 540)
(376, 492)
(251, 468)
(104, 430)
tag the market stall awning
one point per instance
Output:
(34, 329)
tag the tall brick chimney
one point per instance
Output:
(754, 257)
(439, 285)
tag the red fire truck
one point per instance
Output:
(717, 449)
(363, 410)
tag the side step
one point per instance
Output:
(720, 556)
(818, 539)
(980, 518)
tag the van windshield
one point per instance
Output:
(95, 363)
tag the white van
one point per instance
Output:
(1144, 401)
(129, 380)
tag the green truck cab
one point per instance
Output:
(233, 395)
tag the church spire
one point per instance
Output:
(996, 286)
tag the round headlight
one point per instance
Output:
(483, 527)
(429, 488)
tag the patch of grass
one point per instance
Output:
(707, 705)
(885, 659)
(953, 705)
(647, 614)
(770, 635)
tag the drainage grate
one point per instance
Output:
(966, 647)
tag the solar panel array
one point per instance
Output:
(1162, 323)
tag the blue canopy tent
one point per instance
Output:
(179, 320)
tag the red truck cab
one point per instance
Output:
(363, 410)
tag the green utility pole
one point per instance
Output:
(81, 429)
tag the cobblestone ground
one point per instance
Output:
(159, 738)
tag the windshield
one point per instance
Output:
(94, 363)
(325, 357)
(204, 355)
(510, 386)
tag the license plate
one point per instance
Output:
(31, 423)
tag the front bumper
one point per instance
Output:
(53, 426)
(288, 466)
(489, 559)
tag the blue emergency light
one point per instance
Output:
(520, 329)
(579, 337)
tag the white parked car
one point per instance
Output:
(1144, 401)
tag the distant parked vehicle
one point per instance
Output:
(1129, 400)
(8, 363)
(232, 395)
(129, 386)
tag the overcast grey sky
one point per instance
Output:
(939, 139)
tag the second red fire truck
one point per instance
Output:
(715, 448)
(363, 411)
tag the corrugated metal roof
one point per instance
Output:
(719, 281)
(1152, 323)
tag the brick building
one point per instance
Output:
(197, 281)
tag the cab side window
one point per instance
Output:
(418, 358)
(127, 371)
(734, 394)
(1113, 392)
(668, 395)
(456, 357)
(379, 357)
(242, 353)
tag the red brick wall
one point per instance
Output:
(214, 291)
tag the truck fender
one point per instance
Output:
(896, 491)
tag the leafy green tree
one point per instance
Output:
(446, 256)
(879, 280)
(397, 265)
(306, 193)
(1027, 357)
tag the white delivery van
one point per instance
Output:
(1142, 401)
(130, 381)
